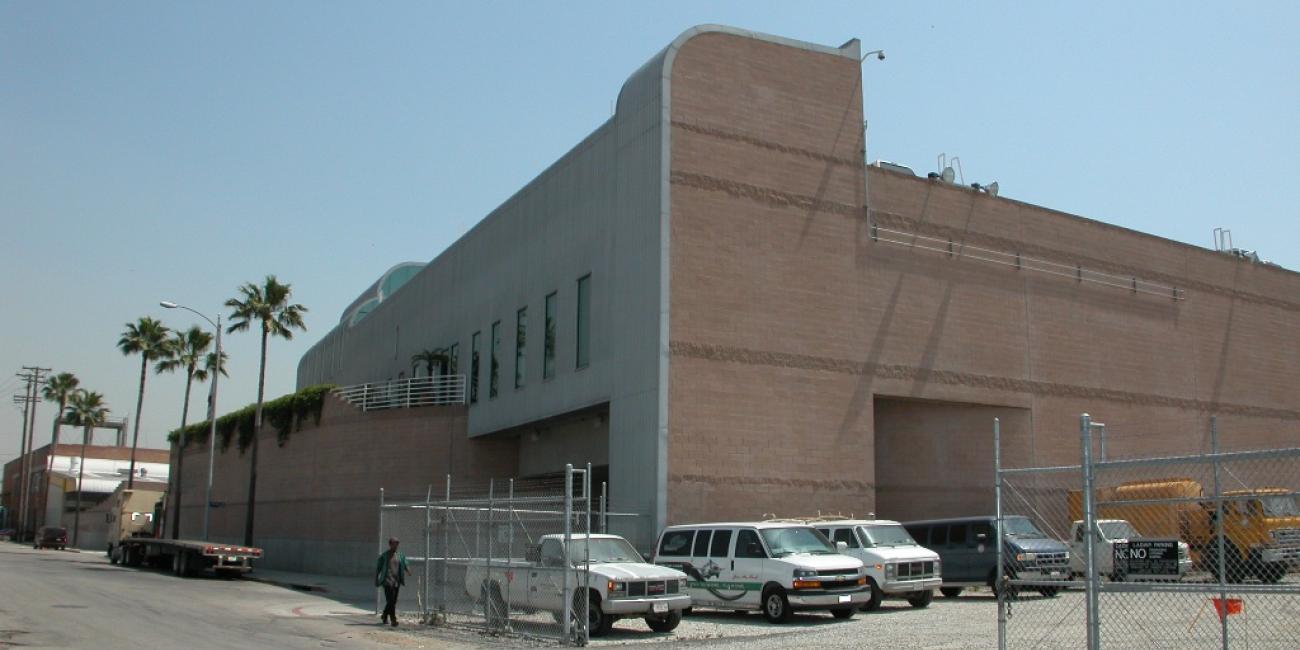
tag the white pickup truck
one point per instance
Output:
(1103, 550)
(621, 584)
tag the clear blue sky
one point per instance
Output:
(163, 150)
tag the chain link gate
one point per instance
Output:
(476, 555)
(1198, 551)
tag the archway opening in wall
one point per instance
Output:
(935, 458)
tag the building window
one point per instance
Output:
(473, 368)
(548, 355)
(584, 321)
(453, 359)
(494, 369)
(521, 346)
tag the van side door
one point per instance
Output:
(750, 560)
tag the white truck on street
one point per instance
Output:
(619, 584)
(896, 565)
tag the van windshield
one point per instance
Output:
(887, 536)
(1281, 506)
(1021, 527)
(796, 540)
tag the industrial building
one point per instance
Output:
(717, 302)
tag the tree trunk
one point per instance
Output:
(257, 431)
(139, 404)
(81, 471)
(180, 457)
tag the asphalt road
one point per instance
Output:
(65, 599)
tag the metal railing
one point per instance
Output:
(441, 390)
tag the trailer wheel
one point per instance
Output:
(112, 555)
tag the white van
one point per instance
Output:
(896, 565)
(776, 567)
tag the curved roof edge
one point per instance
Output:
(380, 290)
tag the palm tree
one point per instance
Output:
(429, 358)
(189, 348)
(58, 388)
(269, 306)
(88, 410)
(148, 338)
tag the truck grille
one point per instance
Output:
(1287, 537)
(840, 584)
(652, 587)
(837, 572)
(1053, 559)
(915, 570)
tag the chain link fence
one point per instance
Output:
(1199, 550)
(489, 555)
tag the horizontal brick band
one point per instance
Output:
(910, 373)
(775, 481)
(761, 194)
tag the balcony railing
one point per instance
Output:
(441, 390)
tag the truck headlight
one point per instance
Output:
(681, 584)
(616, 587)
(1026, 557)
(805, 573)
(936, 568)
(891, 571)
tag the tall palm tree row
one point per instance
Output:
(148, 338)
(267, 305)
(87, 410)
(189, 349)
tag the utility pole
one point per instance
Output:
(19, 523)
(31, 398)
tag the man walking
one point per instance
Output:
(390, 573)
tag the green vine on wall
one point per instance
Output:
(284, 414)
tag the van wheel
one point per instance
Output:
(776, 607)
(1049, 592)
(494, 607)
(876, 597)
(842, 612)
(950, 592)
(921, 599)
(665, 624)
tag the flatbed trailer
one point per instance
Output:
(185, 557)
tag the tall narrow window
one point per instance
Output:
(453, 359)
(473, 368)
(584, 321)
(494, 367)
(521, 346)
(548, 354)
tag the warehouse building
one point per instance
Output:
(717, 303)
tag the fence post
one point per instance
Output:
(604, 506)
(586, 568)
(1089, 526)
(1218, 537)
(568, 540)
(510, 541)
(381, 540)
(997, 507)
(446, 546)
(487, 587)
(428, 552)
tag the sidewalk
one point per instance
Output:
(358, 591)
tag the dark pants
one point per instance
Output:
(390, 602)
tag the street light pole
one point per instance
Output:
(212, 414)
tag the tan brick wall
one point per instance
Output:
(788, 321)
(322, 486)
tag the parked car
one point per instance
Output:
(896, 565)
(51, 537)
(7, 534)
(776, 567)
(968, 549)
